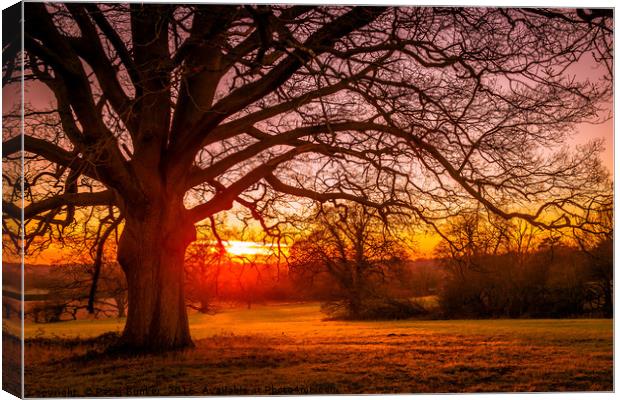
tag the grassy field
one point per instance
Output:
(289, 349)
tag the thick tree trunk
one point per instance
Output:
(151, 253)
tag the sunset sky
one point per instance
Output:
(425, 242)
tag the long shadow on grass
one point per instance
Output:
(105, 346)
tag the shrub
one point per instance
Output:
(378, 308)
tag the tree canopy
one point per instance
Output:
(397, 108)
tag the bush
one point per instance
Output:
(506, 288)
(374, 309)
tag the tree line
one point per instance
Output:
(360, 266)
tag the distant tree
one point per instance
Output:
(94, 279)
(112, 293)
(352, 245)
(61, 294)
(68, 292)
(598, 246)
(204, 261)
(170, 113)
(213, 274)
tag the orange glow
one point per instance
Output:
(248, 248)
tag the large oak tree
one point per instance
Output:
(165, 115)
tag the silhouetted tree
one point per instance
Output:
(65, 292)
(351, 244)
(172, 113)
(213, 274)
(204, 261)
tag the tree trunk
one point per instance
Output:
(151, 253)
(121, 304)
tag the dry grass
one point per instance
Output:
(287, 349)
(11, 364)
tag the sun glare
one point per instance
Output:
(243, 248)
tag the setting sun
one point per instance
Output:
(248, 248)
(242, 248)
